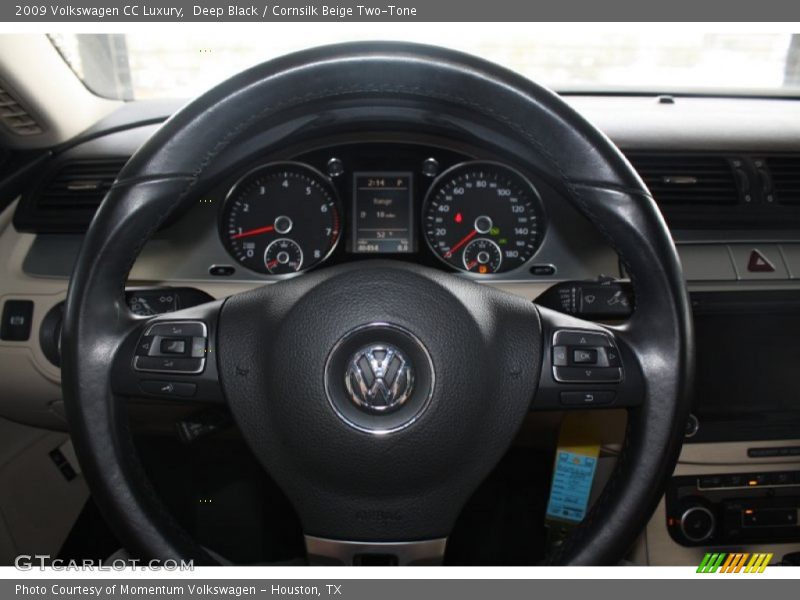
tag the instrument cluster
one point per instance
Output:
(408, 201)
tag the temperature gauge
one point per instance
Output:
(283, 256)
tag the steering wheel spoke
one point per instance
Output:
(585, 366)
(323, 551)
(171, 357)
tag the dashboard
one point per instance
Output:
(382, 199)
(475, 216)
(451, 208)
(272, 213)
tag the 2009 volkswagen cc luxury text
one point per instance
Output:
(391, 303)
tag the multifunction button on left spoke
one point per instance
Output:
(172, 347)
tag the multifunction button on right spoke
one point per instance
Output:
(585, 357)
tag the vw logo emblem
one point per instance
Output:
(379, 378)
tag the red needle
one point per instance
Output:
(250, 232)
(463, 241)
(271, 264)
(472, 264)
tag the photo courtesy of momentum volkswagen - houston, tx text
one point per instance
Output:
(302, 285)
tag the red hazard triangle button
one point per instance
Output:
(758, 263)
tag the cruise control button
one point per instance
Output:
(600, 398)
(169, 365)
(584, 374)
(178, 329)
(169, 388)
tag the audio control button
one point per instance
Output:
(584, 356)
(710, 482)
(580, 338)
(560, 355)
(697, 523)
(587, 374)
(734, 481)
(592, 398)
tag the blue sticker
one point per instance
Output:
(572, 484)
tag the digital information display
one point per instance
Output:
(382, 213)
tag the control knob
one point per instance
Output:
(697, 523)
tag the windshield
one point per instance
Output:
(181, 65)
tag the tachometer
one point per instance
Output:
(483, 218)
(281, 218)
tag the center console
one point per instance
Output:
(746, 407)
(734, 508)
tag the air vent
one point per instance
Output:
(676, 180)
(16, 118)
(785, 173)
(67, 200)
(723, 192)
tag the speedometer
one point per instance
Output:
(281, 218)
(483, 217)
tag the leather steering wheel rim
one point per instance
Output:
(587, 167)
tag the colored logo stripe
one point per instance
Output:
(758, 563)
(734, 562)
(711, 562)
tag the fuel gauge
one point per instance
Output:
(482, 256)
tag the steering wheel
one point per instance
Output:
(378, 457)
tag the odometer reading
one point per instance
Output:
(382, 214)
(483, 218)
(281, 218)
